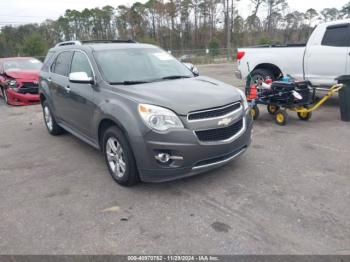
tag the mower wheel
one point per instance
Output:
(281, 117)
(272, 109)
(255, 112)
(304, 116)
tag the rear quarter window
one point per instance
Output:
(48, 60)
(336, 36)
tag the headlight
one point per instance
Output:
(244, 99)
(158, 118)
(12, 83)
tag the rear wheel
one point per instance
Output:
(52, 127)
(259, 75)
(119, 157)
(281, 117)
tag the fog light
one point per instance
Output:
(165, 158)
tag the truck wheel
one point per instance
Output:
(119, 157)
(259, 75)
(281, 117)
(50, 121)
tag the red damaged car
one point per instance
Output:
(19, 80)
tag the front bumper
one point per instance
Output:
(238, 74)
(18, 99)
(197, 157)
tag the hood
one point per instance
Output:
(24, 74)
(184, 95)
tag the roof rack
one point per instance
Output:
(68, 43)
(118, 41)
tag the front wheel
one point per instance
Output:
(304, 116)
(281, 117)
(255, 112)
(4, 95)
(272, 109)
(119, 157)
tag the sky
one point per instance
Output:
(28, 11)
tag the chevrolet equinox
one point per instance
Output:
(154, 118)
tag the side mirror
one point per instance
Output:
(80, 78)
(193, 68)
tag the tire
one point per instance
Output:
(51, 125)
(272, 109)
(281, 117)
(259, 74)
(119, 157)
(255, 112)
(305, 116)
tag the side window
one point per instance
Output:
(46, 63)
(336, 36)
(62, 64)
(80, 63)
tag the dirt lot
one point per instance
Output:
(289, 194)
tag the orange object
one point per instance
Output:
(253, 93)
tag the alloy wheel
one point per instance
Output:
(48, 118)
(115, 157)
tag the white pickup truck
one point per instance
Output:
(325, 57)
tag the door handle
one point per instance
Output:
(49, 79)
(67, 88)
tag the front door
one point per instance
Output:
(81, 96)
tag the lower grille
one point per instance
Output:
(220, 134)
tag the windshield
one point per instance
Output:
(22, 64)
(139, 65)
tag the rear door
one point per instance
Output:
(59, 85)
(328, 60)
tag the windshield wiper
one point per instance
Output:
(175, 77)
(129, 83)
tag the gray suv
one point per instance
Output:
(152, 117)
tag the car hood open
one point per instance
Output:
(184, 95)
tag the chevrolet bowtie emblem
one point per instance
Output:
(225, 122)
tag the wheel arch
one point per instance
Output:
(106, 123)
(271, 67)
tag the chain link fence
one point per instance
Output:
(205, 56)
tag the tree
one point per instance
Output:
(345, 11)
(34, 45)
(330, 14)
(274, 8)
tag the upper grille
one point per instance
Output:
(219, 134)
(30, 84)
(214, 112)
